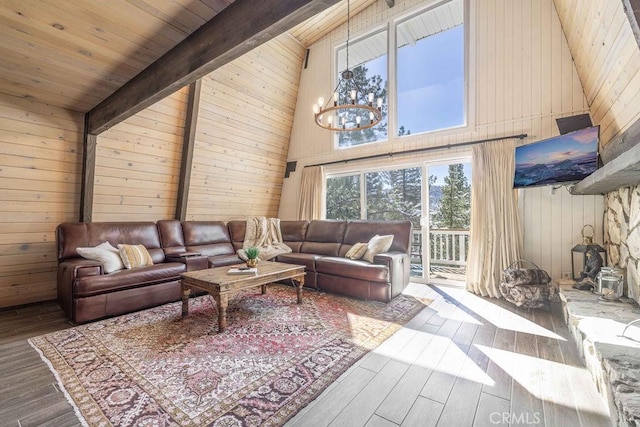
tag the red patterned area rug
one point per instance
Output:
(156, 368)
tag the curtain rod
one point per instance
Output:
(419, 150)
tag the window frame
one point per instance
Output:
(392, 101)
(466, 76)
(462, 156)
(334, 66)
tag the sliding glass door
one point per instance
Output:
(445, 230)
(436, 198)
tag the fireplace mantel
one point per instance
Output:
(623, 171)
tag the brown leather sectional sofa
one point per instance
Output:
(86, 293)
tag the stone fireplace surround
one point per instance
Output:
(597, 326)
(622, 235)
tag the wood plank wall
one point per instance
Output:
(607, 58)
(522, 77)
(40, 174)
(138, 164)
(243, 131)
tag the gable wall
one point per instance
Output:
(521, 78)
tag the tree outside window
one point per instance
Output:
(343, 197)
(368, 61)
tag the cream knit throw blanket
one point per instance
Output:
(264, 234)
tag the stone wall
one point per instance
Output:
(622, 235)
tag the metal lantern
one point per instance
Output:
(610, 283)
(579, 253)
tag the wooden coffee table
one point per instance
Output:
(220, 285)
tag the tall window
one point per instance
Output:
(430, 70)
(368, 61)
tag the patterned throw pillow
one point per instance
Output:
(377, 245)
(135, 256)
(104, 253)
(357, 251)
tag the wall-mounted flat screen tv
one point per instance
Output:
(559, 160)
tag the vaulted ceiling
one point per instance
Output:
(74, 54)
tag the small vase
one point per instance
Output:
(252, 263)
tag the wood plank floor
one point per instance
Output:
(463, 361)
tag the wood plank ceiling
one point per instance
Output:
(74, 54)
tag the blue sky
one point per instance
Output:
(431, 82)
(430, 79)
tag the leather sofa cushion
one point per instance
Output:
(69, 236)
(124, 279)
(363, 231)
(293, 233)
(73, 235)
(205, 232)
(171, 237)
(324, 237)
(216, 249)
(222, 260)
(356, 269)
(210, 238)
(308, 260)
(128, 233)
(236, 231)
(377, 291)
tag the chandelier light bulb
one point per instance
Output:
(350, 103)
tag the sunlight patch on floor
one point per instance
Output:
(455, 363)
(500, 317)
(547, 380)
(457, 314)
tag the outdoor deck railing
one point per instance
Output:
(447, 246)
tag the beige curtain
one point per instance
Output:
(312, 193)
(496, 230)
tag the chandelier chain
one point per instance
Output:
(348, 29)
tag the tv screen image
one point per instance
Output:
(559, 160)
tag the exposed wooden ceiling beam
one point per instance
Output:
(239, 28)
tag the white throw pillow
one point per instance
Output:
(377, 245)
(104, 253)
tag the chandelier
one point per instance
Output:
(349, 108)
